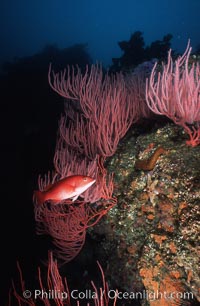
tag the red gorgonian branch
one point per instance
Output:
(175, 93)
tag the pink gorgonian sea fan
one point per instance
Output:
(53, 290)
(175, 93)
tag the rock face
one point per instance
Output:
(151, 237)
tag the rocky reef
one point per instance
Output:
(150, 239)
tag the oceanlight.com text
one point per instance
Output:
(111, 294)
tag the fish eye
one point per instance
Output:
(85, 178)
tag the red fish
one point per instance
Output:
(68, 188)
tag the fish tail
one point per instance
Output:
(39, 197)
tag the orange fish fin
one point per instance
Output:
(75, 198)
(39, 197)
(54, 202)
